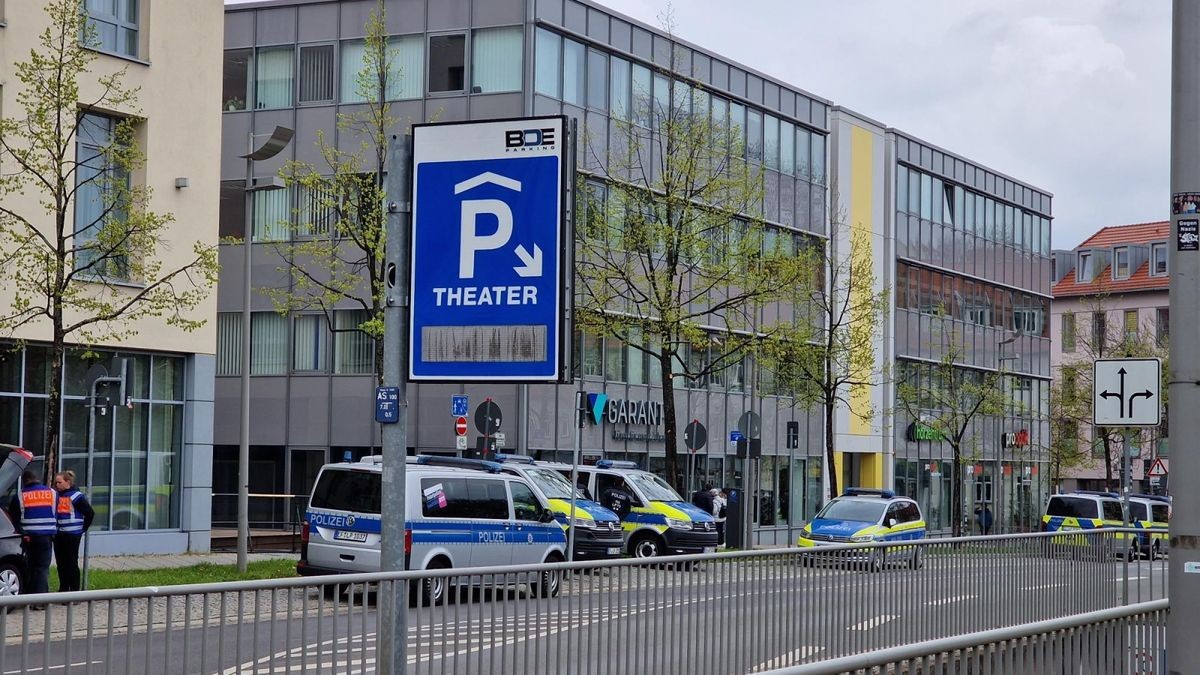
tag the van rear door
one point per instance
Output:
(344, 519)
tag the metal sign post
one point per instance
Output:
(393, 635)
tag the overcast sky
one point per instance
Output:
(1072, 96)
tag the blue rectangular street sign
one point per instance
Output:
(459, 406)
(387, 405)
(735, 436)
(487, 251)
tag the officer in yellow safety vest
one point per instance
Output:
(33, 510)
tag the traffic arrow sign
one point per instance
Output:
(1126, 392)
(460, 426)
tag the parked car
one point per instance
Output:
(458, 513)
(866, 516)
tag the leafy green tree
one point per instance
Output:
(335, 256)
(673, 259)
(829, 358)
(81, 250)
(1075, 442)
(950, 401)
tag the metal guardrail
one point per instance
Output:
(727, 614)
(1127, 640)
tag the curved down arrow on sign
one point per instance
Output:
(531, 264)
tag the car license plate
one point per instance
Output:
(347, 535)
(710, 549)
(614, 550)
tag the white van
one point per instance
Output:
(460, 513)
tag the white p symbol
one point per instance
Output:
(472, 242)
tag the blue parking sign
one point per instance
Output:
(459, 406)
(487, 240)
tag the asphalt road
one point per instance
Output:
(723, 618)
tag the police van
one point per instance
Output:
(459, 513)
(1083, 510)
(655, 520)
(597, 529)
(1151, 512)
(864, 516)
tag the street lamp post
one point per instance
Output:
(271, 147)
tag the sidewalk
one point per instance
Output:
(153, 562)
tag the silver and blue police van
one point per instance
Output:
(459, 513)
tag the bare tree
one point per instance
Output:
(85, 260)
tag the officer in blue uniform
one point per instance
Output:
(33, 510)
(75, 516)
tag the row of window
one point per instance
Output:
(1123, 262)
(1131, 330)
(1024, 397)
(283, 76)
(587, 77)
(617, 361)
(928, 197)
(977, 302)
(603, 218)
(314, 347)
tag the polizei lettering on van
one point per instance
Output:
(634, 412)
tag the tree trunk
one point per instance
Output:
(829, 435)
(1109, 481)
(668, 385)
(54, 409)
(956, 495)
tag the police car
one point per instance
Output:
(597, 529)
(458, 513)
(867, 516)
(655, 520)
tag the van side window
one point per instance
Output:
(1072, 507)
(1112, 511)
(1161, 513)
(894, 511)
(462, 498)
(525, 504)
(342, 490)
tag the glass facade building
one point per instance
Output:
(294, 63)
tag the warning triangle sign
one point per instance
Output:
(1157, 468)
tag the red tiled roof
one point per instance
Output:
(1140, 280)
(1137, 233)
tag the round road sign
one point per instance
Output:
(694, 436)
(460, 426)
(487, 417)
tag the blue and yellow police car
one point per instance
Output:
(868, 516)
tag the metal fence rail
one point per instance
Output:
(727, 614)
(1128, 640)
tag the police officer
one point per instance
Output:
(618, 499)
(75, 516)
(33, 508)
